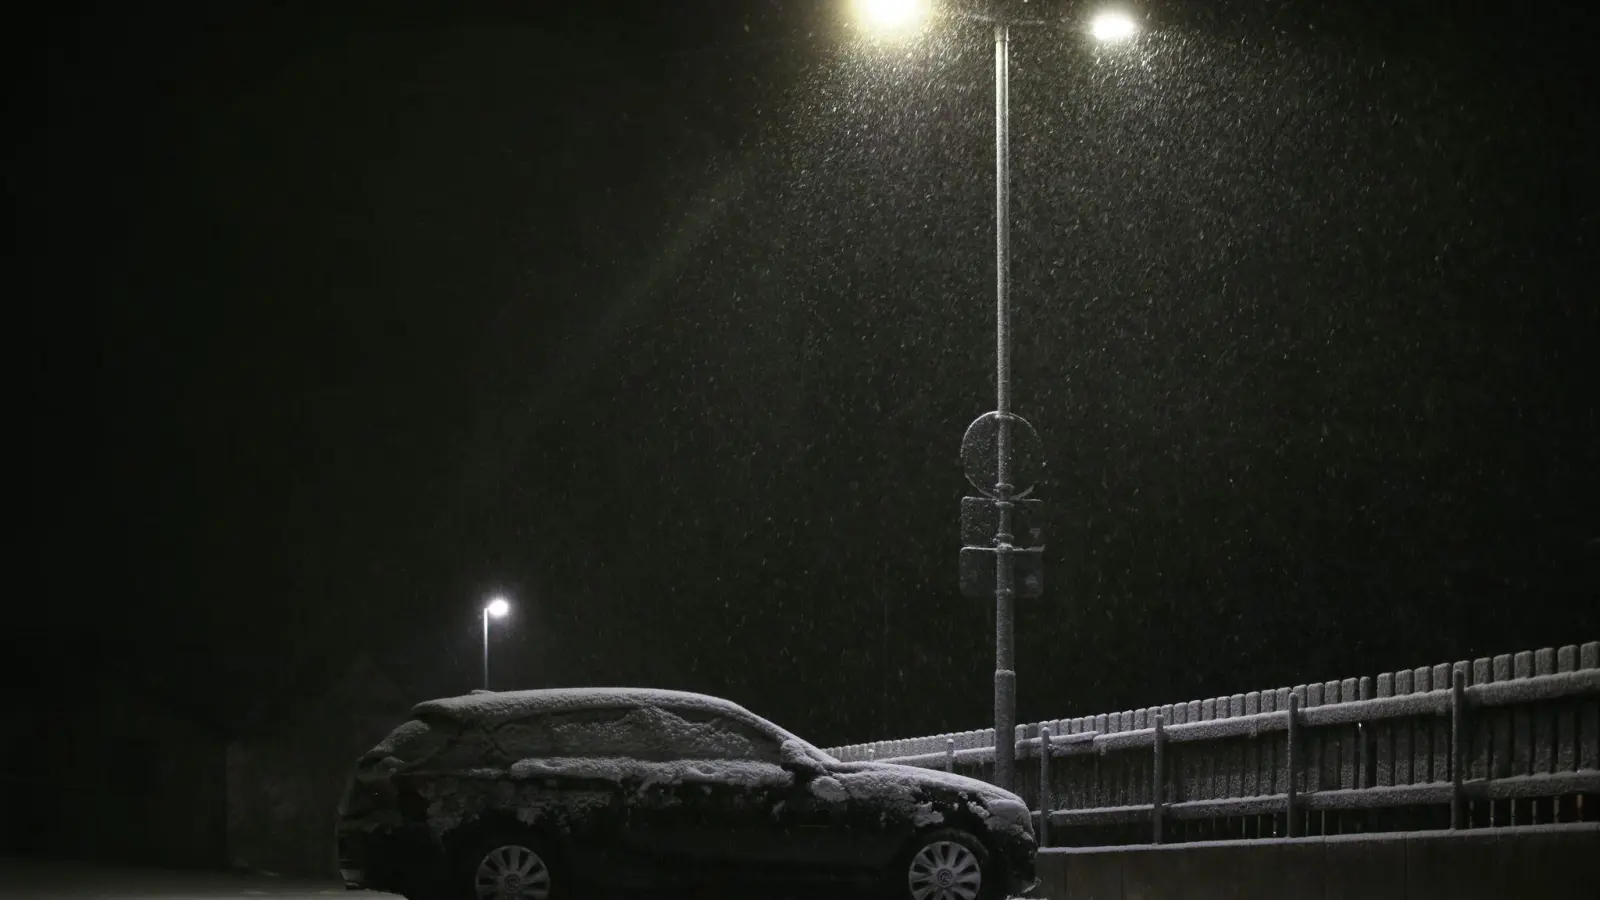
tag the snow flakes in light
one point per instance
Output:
(891, 17)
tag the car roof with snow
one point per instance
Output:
(500, 706)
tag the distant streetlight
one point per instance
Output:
(497, 609)
(1006, 492)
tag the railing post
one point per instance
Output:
(1158, 795)
(1045, 749)
(949, 754)
(1363, 739)
(1293, 762)
(1458, 747)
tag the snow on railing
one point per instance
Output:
(1477, 736)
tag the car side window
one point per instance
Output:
(620, 733)
(497, 744)
(530, 738)
(645, 733)
(698, 734)
(750, 742)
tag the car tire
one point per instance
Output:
(946, 864)
(510, 867)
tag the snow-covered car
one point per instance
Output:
(534, 795)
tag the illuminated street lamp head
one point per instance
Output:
(498, 607)
(889, 16)
(1113, 26)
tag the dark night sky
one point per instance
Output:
(666, 320)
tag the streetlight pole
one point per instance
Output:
(1007, 496)
(497, 608)
(1106, 27)
(1005, 638)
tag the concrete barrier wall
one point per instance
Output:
(1553, 862)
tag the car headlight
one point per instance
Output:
(1007, 813)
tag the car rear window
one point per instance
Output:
(413, 742)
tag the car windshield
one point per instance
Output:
(783, 734)
(819, 754)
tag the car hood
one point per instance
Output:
(924, 796)
(914, 776)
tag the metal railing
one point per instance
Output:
(1507, 740)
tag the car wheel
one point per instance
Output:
(947, 865)
(516, 867)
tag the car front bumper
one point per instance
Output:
(1021, 867)
(1021, 888)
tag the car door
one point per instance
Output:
(616, 774)
(558, 789)
(703, 809)
(816, 824)
(759, 820)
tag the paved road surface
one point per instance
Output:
(29, 880)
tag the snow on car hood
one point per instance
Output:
(876, 772)
(907, 785)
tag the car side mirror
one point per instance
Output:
(797, 760)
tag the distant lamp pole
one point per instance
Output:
(497, 609)
(1002, 542)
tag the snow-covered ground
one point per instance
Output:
(29, 879)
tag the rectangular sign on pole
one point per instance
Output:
(977, 571)
(980, 519)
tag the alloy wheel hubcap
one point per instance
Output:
(945, 870)
(511, 872)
